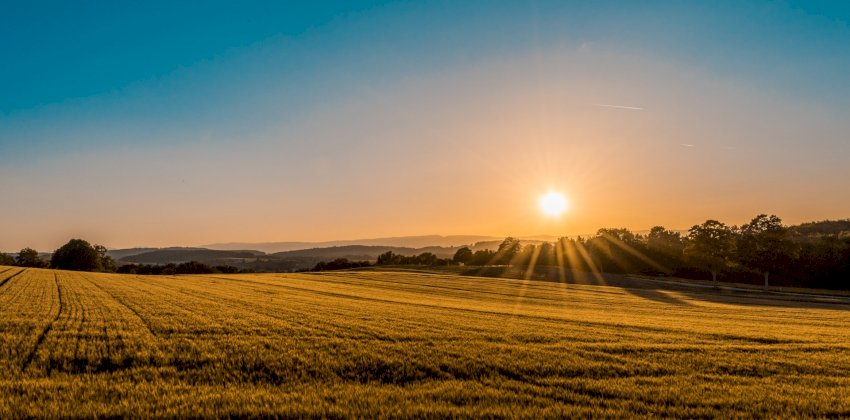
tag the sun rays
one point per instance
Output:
(576, 261)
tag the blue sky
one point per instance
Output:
(190, 87)
(59, 51)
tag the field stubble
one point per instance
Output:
(389, 344)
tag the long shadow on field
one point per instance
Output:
(657, 290)
(661, 296)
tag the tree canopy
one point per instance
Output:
(710, 246)
(6, 259)
(765, 245)
(76, 255)
(462, 256)
(29, 257)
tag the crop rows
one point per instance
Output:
(384, 344)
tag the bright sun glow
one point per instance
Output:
(553, 204)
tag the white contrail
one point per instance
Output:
(620, 107)
(686, 145)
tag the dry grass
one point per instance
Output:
(388, 344)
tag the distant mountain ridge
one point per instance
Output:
(365, 252)
(282, 261)
(124, 253)
(399, 241)
(178, 255)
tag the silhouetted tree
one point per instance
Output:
(194, 267)
(6, 259)
(765, 245)
(546, 254)
(426, 258)
(339, 264)
(508, 249)
(710, 246)
(462, 256)
(617, 250)
(77, 255)
(527, 256)
(387, 258)
(572, 253)
(666, 247)
(128, 269)
(29, 257)
(483, 257)
(107, 264)
(226, 269)
(621, 234)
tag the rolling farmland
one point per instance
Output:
(388, 344)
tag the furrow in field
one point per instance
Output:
(367, 345)
(459, 306)
(10, 294)
(40, 339)
(335, 314)
(327, 322)
(642, 305)
(229, 300)
(25, 306)
(163, 312)
(205, 308)
(9, 278)
(620, 310)
(124, 303)
(92, 334)
(350, 322)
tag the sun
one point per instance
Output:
(553, 204)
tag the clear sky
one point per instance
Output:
(184, 123)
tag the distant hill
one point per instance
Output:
(284, 261)
(124, 253)
(402, 241)
(362, 252)
(178, 255)
(823, 228)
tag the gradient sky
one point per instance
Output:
(185, 123)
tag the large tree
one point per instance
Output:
(710, 246)
(106, 262)
(666, 247)
(508, 249)
(765, 245)
(6, 259)
(482, 257)
(618, 250)
(462, 256)
(77, 255)
(546, 255)
(29, 257)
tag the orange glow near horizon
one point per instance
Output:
(389, 162)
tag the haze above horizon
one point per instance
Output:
(194, 123)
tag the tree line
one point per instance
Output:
(762, 251)
(77, 255)
(80, 255)
(190, 267)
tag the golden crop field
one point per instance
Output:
(375, 344)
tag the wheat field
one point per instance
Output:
(389, 344)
